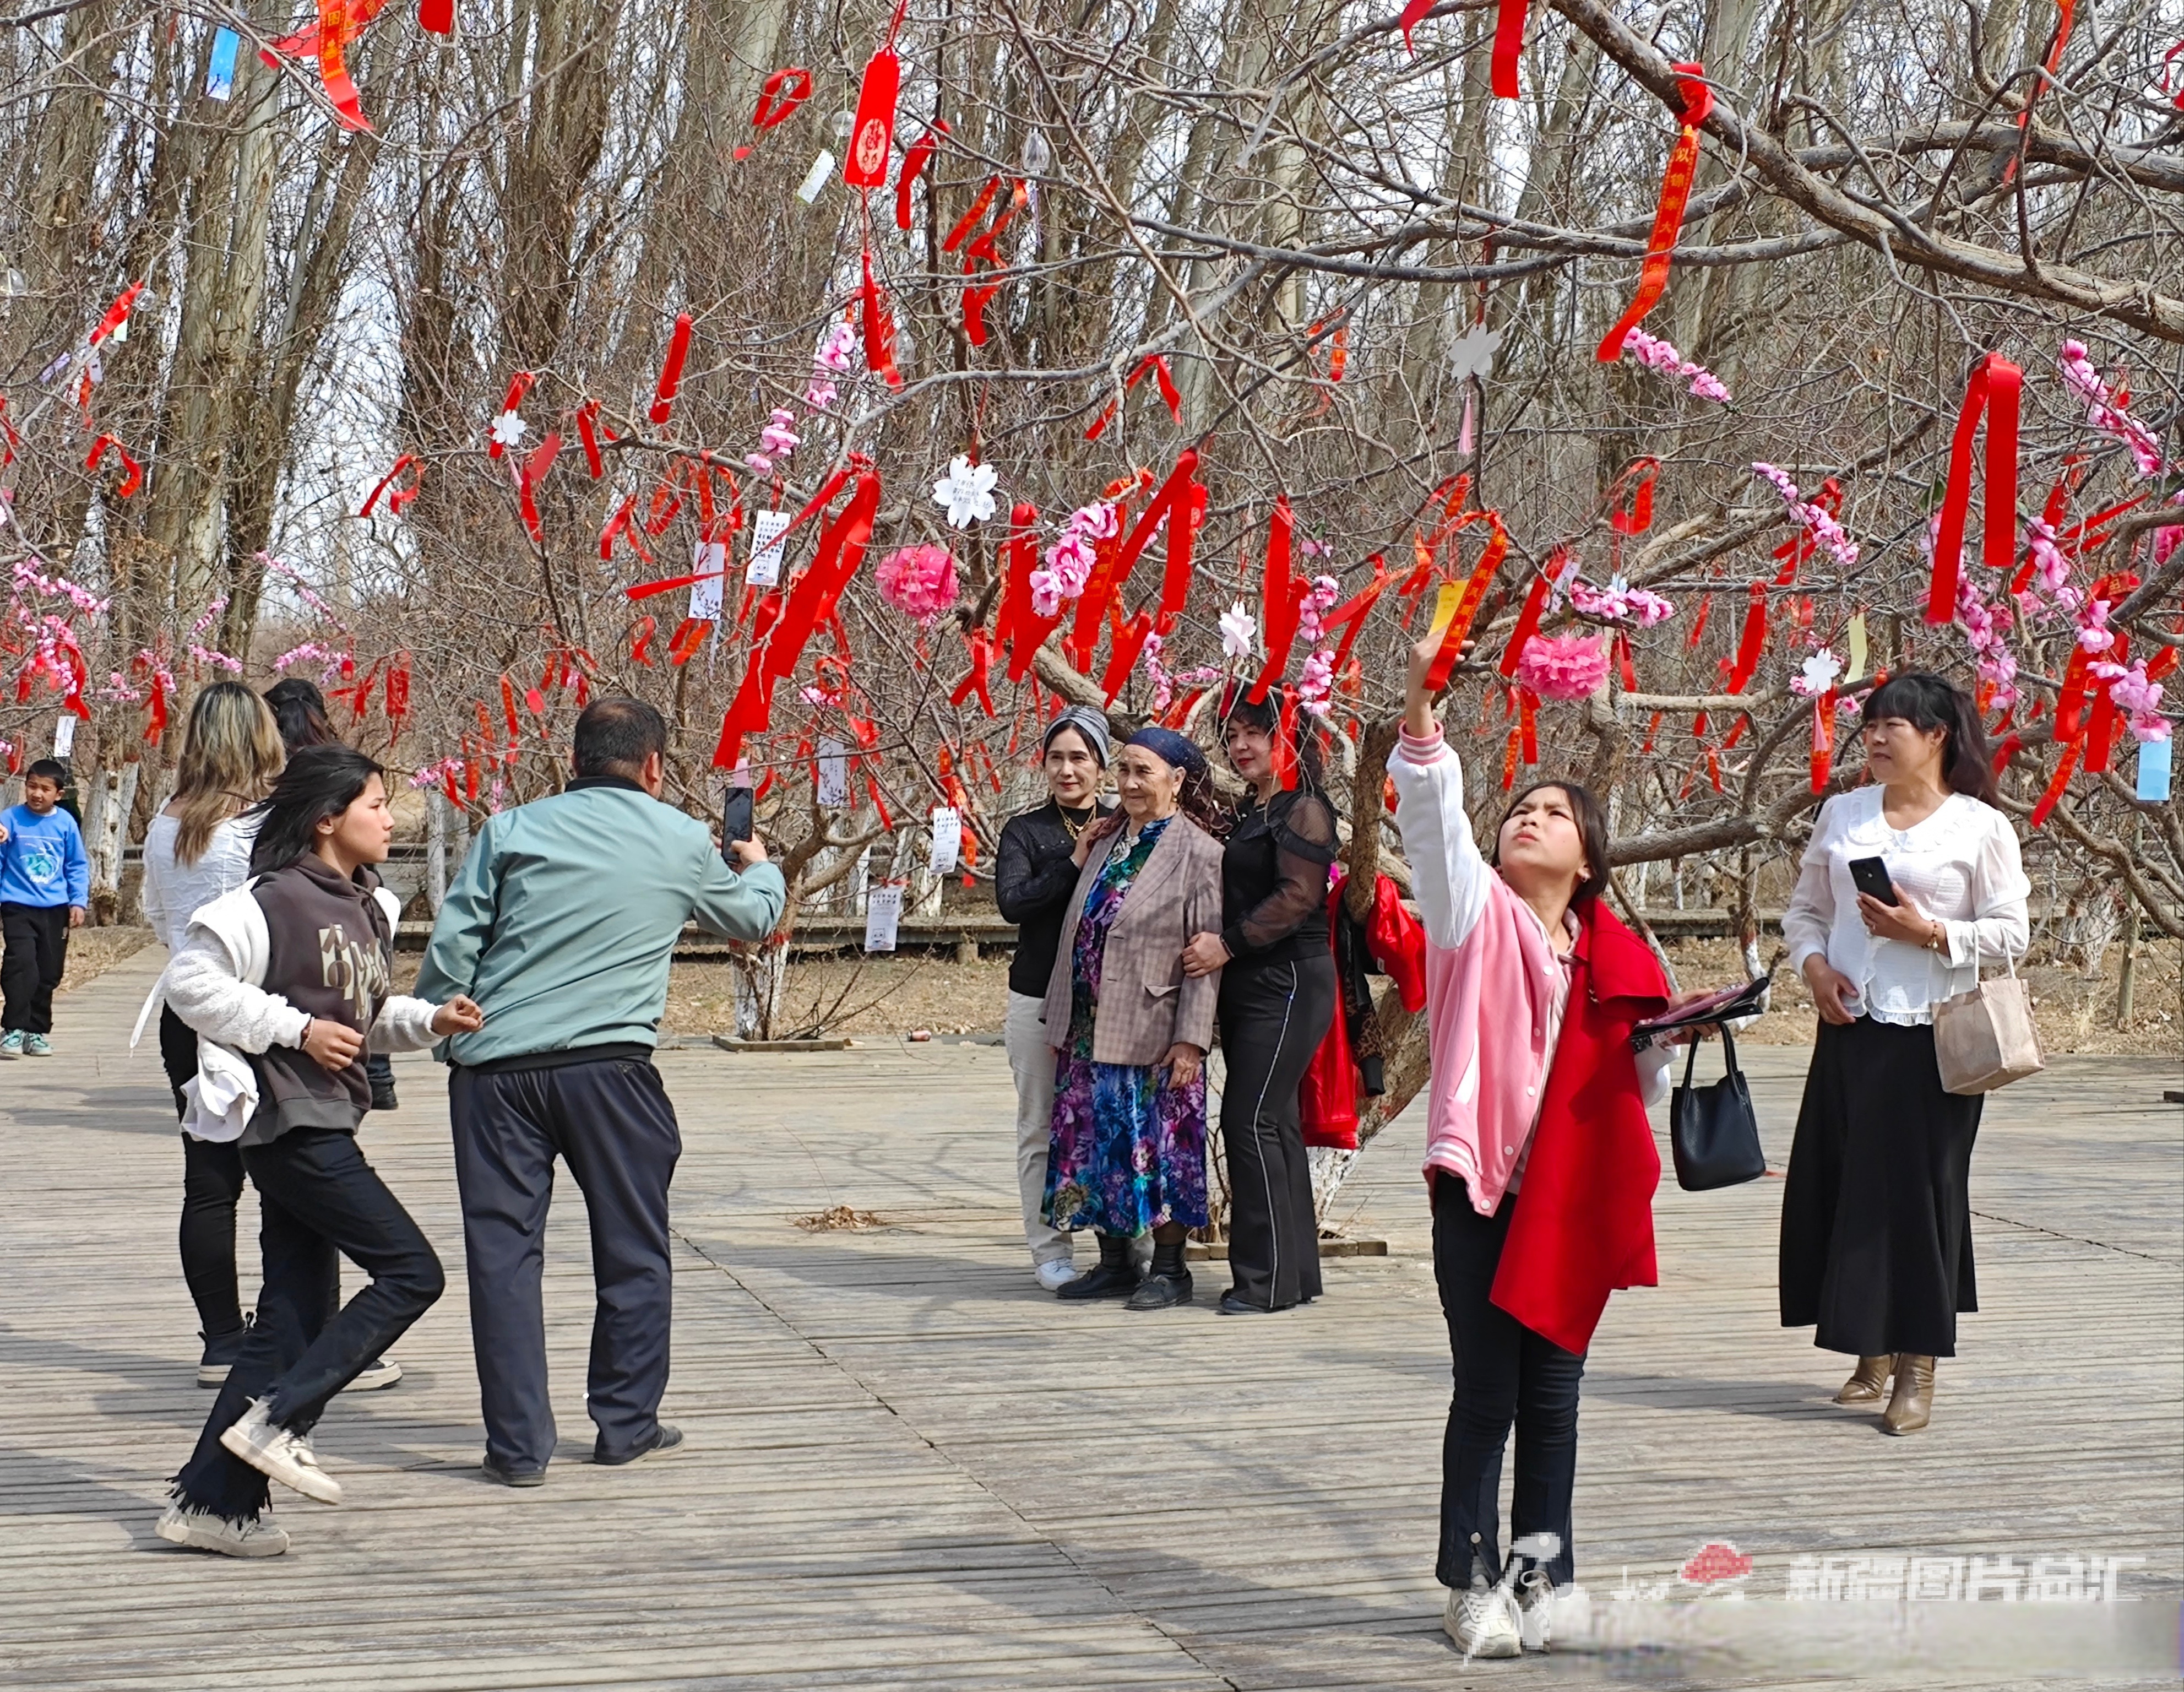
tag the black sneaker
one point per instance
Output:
(220, 1352)
(383, 1098)
(1161, 1292)
(665, 1439)
(512, 1478)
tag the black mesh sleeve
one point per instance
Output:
(1305, 844)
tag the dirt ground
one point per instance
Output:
(897, 995)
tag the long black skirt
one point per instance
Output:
(1876, 1213)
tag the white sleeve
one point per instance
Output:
(403, 1024)
(1448, 876)
(154, 896)
(1999, 926)
(213, 1000)
(1812, 912)
(1653, 1066)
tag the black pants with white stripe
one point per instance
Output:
(1272, 1017)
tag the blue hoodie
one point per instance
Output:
(42, 861)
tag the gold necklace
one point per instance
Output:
(1073, 830)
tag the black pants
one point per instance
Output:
(1272, 1017)
(1876, 1212)
(36, 941)
(612, 1119)
(1505, 1373)
(317, 1197)
(212, 1186)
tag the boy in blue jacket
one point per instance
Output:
(44, 888)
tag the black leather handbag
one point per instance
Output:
(1711, 1130)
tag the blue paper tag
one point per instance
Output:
(219, 77)
(2153, 770)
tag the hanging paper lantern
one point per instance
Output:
(919, 581)
(1570, 667)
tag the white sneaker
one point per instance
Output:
(1551, 1617)
(203, 1531)
(1057, 1273)
(380, 1371)
(280, 1454)
(1484, 1622)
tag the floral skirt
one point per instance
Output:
(1127, 1151)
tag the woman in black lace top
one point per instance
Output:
(1278, 994)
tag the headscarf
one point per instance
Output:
(1170, 747)
(1091, 725)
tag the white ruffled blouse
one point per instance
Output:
(1960, 866)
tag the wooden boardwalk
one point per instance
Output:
(908, 1468)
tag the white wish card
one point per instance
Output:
(767, 548)
(882, 915)
(64, 735)
(833, 774)
(947, 838)
(709, 562)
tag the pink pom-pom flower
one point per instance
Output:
(1569, 666)
(919, 581)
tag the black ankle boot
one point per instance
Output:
(1117, 1277)
(1168, 1284)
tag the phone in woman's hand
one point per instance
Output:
(736, 815)
(1870, 875)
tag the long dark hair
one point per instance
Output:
(300, 709)
(1592, 826)
(1927, 702)
(319, 782)
(1265, 717)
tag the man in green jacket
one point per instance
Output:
(561, 924)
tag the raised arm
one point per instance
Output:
(742, 906)
(1448, 876)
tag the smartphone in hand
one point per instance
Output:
(1870, 875)
(735, 817)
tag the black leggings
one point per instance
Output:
(1272, 1017)
(1505, 1373)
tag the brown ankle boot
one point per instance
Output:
(1912, 1405)
(1867, 1382)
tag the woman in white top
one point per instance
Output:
(1876, 1213)
(197, 849)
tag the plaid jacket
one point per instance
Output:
(1146, 1002)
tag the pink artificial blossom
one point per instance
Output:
(1620, 602)
(1824, 529)
(2093, 634)
(1987, 632)
(2138, 698)
(1656, 354)
(1069, 560)
(1569, 667)
(56, 586)
(218, 660)
(919, 581)
(2104, 412)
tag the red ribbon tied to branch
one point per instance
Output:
(913, 166)
(1668, 214)
(1508, 44)
(786, 90)
(116, 314)
(670, 373)
(1281, 600)
(1994, 388)
(133, 476)
(399, 497)
(340, 22)
(1157, 366)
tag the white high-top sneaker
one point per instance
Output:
(280, 1455)
(1484, 1622)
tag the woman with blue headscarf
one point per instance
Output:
(1127, 1152)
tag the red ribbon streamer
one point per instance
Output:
(588, 432)
(879, 330)
(518, 385)
(1122, 652)
(1668, 213)
(1474, 596)
(401, 496)
(1753, 642)
(116, 314)
(1823, 739)
(689, 635)
(133, 476)
(1993, 388)
(1509, 45)
(1528, 619)
(784, 91)
(976, 679)
(913, 166)
(2058, 783)
(1281, 599)
(670, 373)
(438, 16)
(535, 469)
(1157, 366)
(1349, 615)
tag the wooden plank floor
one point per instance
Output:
(909, 1467)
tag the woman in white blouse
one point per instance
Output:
(197, 849)
(1876, 1213)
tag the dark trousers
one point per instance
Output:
(1272, 1017)
(212, 1186)
(1505, 1373)
(36, 941)
(317, 1197)
(612, 1121)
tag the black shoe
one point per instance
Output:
(1234, 1304)
(665, 1439)
(1117, 1277)
(512, 1478)
(220, 1354)
(1161, 1292)
(383, 1098)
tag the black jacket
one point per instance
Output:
(1033, 880)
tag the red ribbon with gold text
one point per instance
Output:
(1668, 214)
